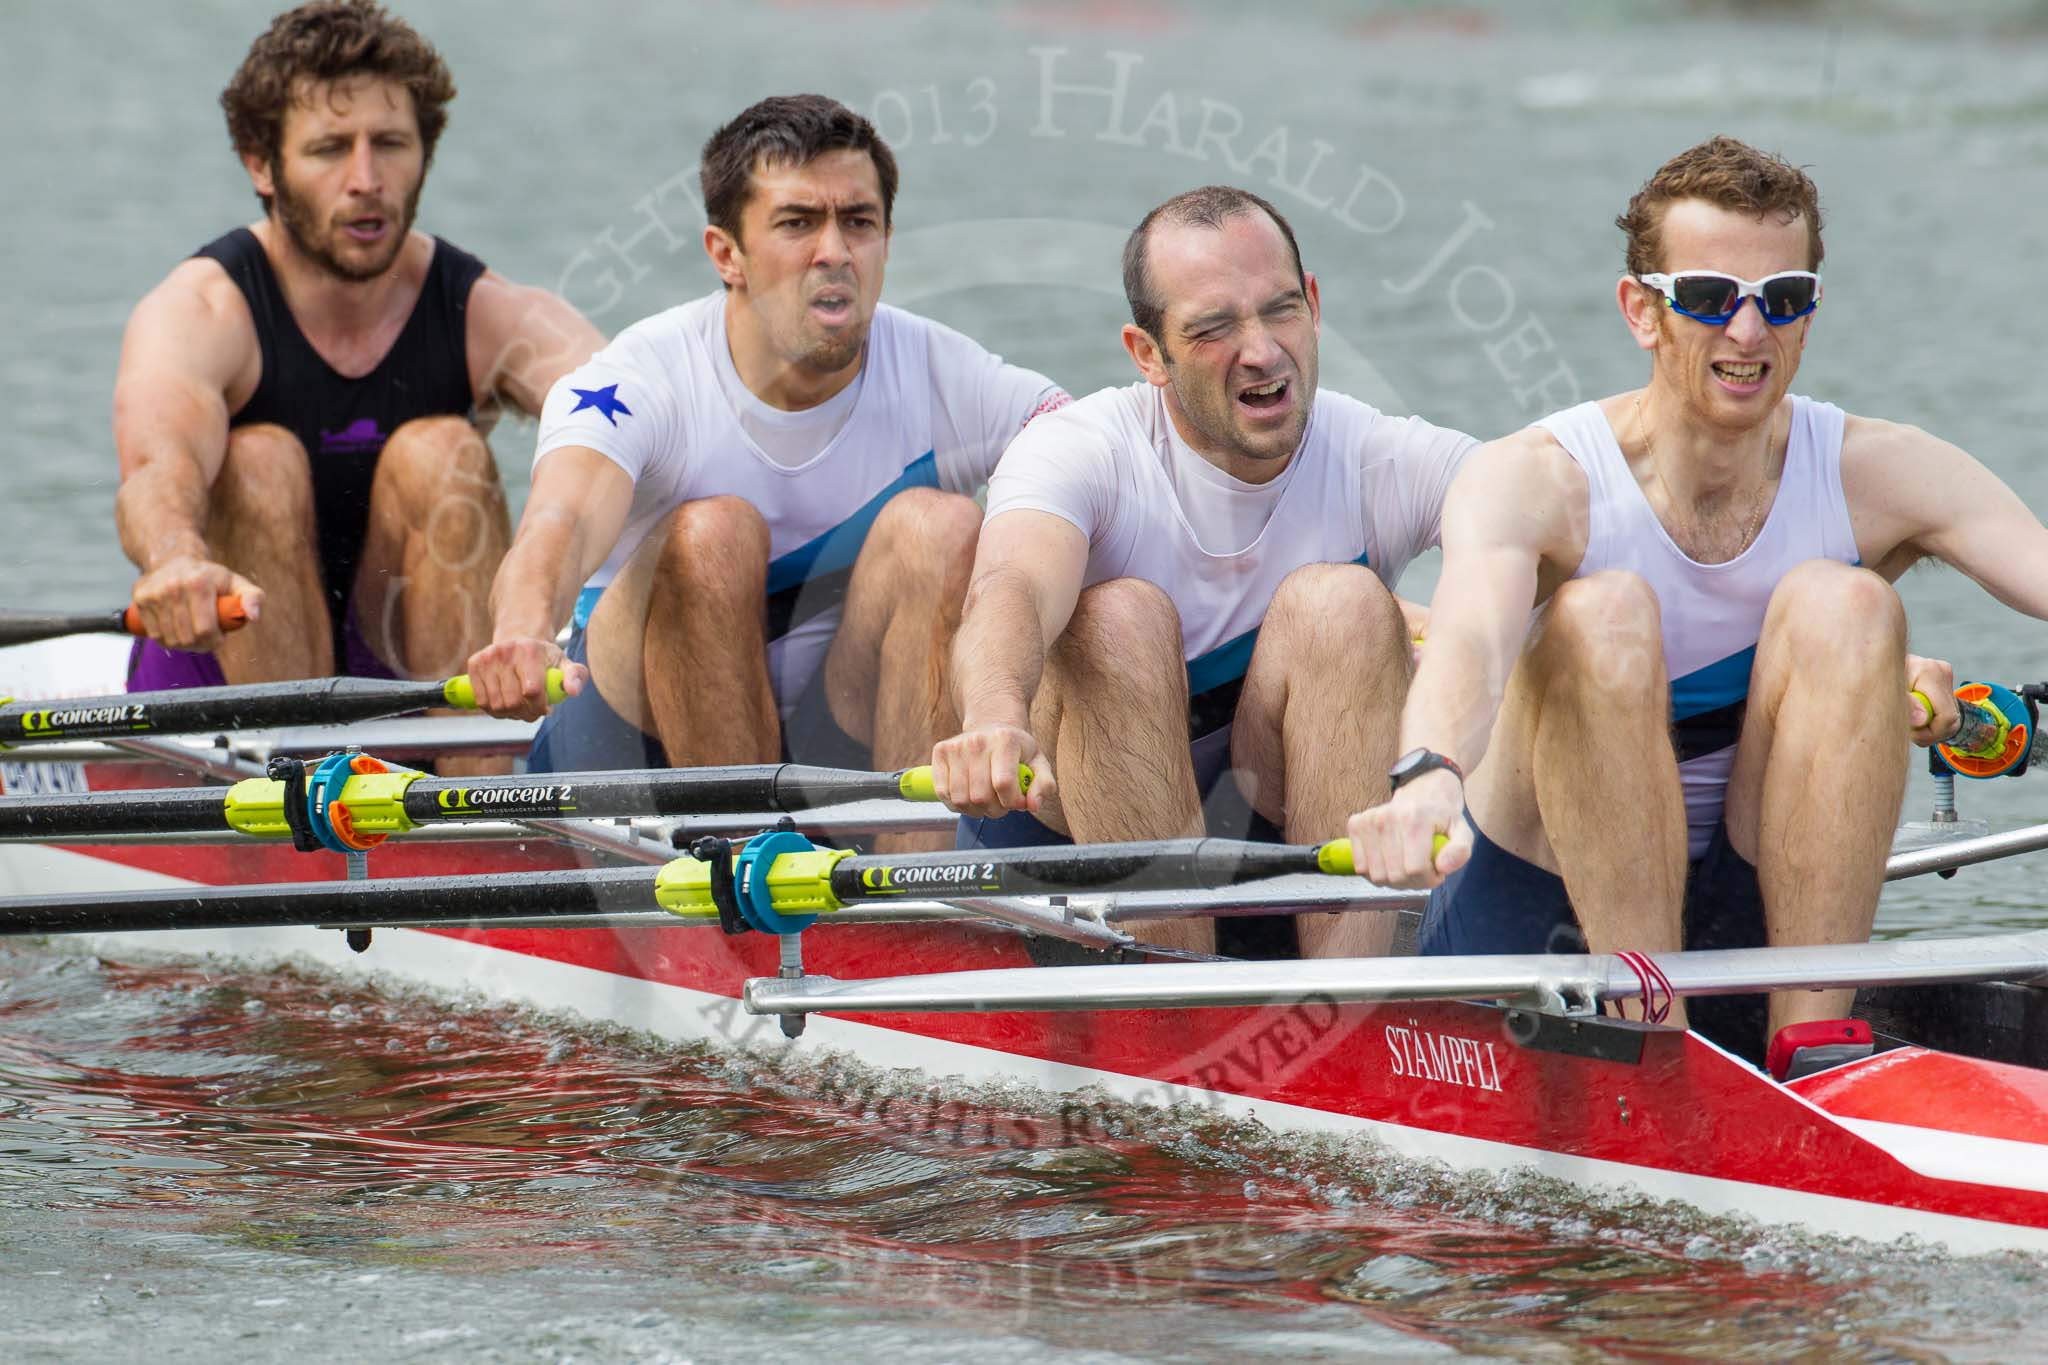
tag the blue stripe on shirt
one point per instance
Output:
(1721, 683)
(826, 553)
(1228, 661)
(837, 548)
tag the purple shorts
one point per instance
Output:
(152, 668)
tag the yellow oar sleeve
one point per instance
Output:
(375, 804)
(798, 884)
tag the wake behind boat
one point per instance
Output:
(1484, 1063)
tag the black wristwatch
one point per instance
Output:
(1415, 763)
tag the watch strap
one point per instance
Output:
(1416, 762)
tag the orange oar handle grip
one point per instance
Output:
(232, 616)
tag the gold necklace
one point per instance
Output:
(1756, 499)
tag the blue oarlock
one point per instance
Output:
(323, 787)
(750, 875)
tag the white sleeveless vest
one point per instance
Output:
(1713, 613)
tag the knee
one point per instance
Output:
(1606, 630)
(927, 513)
(1836, 612)
(1321, 608)
(265, 477)
(713, 541)
(926, 531)
(429, 453)
(1124, 634)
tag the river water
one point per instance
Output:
(205, 1165)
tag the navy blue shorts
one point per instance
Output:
(1499, 903)
(584, 734)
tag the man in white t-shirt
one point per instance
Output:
(1192, 575)
(753, 508)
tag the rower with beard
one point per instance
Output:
(752, 508)
(1192, 575)
(298, 406)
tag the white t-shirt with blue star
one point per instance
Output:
(930, 408)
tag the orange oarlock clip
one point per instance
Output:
(343, 822)
(2017, 736)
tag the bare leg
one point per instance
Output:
(1821, 770)
(886, 675)
(438, 530)
(1112, 710)
(677, 643)
(1317, 723)
(1580, 778)
(260, 524)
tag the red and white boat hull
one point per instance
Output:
(1944, 1148)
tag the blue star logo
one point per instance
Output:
(605, 400)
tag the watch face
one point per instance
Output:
(1414, 764)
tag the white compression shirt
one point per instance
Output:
(789, 438)
(1225, 514)
(930, 408)
(1362, 488)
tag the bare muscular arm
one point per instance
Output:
(574, 514)
(189, 343)
(521, 340)
(1914, 496)
(1028, 569)
(1514, 527)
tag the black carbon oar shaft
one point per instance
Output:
(412, 900)
(306, 701)
(1152, 865)
(312, 701)
(21, 627)
(1155, 865)
(170, 810)
(630, 792)
(468, 800)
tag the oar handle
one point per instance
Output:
(1980, 732)
(461, 694)
(916, 783)
(788, 876)
(1334, 858)
(228, 608)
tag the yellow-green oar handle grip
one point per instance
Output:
(1981, 729)
(1972, 712)
(459, 692)
(916, 783)
(1334, 858)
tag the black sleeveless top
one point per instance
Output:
(343, 423)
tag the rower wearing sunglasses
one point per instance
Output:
(1694, 742)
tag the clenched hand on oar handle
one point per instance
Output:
(22, 627)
